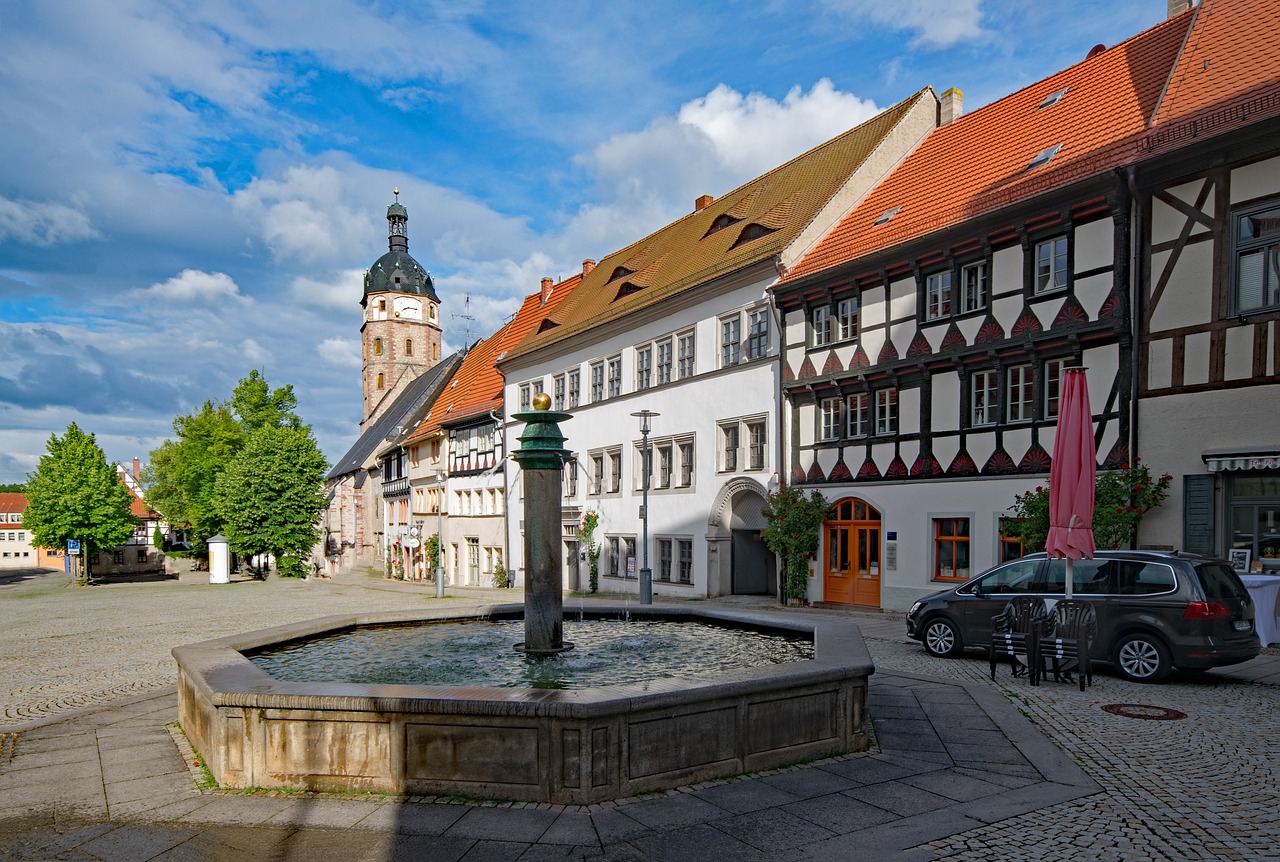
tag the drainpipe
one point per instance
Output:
(777, 421)
(1137, 303)
(500, 433)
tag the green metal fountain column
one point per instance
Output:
(542, 457)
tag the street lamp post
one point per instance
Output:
(646, 574)
(440, 534)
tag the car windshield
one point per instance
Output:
(1220, 582)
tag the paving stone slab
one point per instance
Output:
(510, 824)
(739, 797)
(839, 813)
(130, 843)
(899, 798)
(695, 843)
(809, 782)
(673, 812)
(573, 828)
(773, 831)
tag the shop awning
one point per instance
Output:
(1263, 459)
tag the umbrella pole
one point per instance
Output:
(1070, 576)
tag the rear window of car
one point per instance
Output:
(1220, 582)
(1111, 577)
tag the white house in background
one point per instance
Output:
(679, 323)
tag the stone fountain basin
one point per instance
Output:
(538, 745)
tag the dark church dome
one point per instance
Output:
(396, 270)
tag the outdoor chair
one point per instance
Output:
(1016, 632)
(1067, 644)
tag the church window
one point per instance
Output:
(380, 381)
(408, 347)
(377, 347)
(435, 351)
(382, 305)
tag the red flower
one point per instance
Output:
(1120, 509)
(1137, 487)
(1038, 489)
(1128, 508)
(1124, 466)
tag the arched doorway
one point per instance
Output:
(738, 562)
(851, 558)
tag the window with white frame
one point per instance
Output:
(1051, 265)
(730, 341)
(887, 411)
(597, 382)
(526, 396)
(832, 416)
(558, 384)
(614, 478)
(951, 549)
(575, 389)
(756, 459)
(937, 289)
(597, 473)
(571, 479)
(615, 376)
(686, 343)
(664, 361)
(614, 543)
(638, 463)
(1021, 393)
(663, 455)
(821, 325)
(984, 397)
(686, 466)
(1256, 282)
(847, 319)
(685, 549)
(729, 447)
(1053, 370)
(644, 367)
(858, 415)
(665, 559)
(757, 333)
(973, 287)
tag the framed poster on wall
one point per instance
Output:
(1240, 560)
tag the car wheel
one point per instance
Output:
(1142, 658)
(942, 638)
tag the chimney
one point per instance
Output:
(1177, 7)
(702, 203)
(137, 469)
(951, 106)
(587, 266)
(546, 289)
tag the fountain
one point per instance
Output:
(560, 745)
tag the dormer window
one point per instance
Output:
(721, 222)
(621, 272)
(628, 288)
(1044, 157)
(1052, 99)
(751, 233)
(887, 214)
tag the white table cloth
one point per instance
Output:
(1265, 592)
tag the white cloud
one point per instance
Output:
(341, 292)
(342, 352)
(43, 223)
(195, 287)
(937, 24)
(714, 144)
(253, 352)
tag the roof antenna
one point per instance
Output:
(468, 317)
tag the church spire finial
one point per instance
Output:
(397, 224)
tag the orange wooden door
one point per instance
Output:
(851, 558)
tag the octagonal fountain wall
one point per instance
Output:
(572, 746)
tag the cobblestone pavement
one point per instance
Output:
(1206, 786)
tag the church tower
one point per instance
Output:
(400, 331)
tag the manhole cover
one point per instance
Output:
(1139, 710)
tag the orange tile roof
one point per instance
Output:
(688, 252)
(12, 502)
(980, 162)
(1231, 60)
(476, 387)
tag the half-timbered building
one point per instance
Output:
(927, 333)
(1208, 232)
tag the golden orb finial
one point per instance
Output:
(542, 401)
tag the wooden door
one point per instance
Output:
(851, 554)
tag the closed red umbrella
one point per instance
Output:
(1072, 476)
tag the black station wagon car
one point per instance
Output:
(1156, 611)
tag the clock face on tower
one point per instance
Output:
(408, 309)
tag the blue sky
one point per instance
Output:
(192, 189)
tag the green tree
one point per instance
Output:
(75, 494)
(12, 488)
(269, 497)
(794, 534)
(181, 472)
(1121, 498)
(256, 405)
